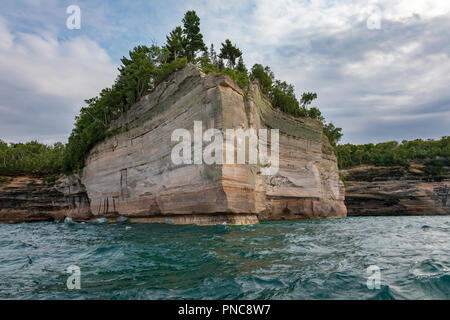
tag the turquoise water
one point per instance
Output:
(308, 259)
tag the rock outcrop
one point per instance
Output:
(391, 191)
(33, 199)
(131, 174)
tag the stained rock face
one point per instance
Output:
(33, 199)
(390, 191)
(131, 174)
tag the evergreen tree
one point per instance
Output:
(213, 55)
(265, 77)
(194, 39)
(136, 72)
(176, 44)
(241, 66)
(230, 53)
(204, 61)
(220, 65)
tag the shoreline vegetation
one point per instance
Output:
(147, 67)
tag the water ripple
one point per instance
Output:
(307, 259)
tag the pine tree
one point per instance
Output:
(213, 55)
(176, 43)
(230, 53)
(204, 60)
(220, 65)
(194, 39)
(241, 66)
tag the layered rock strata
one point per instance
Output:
(34, 199)
(391, 191)
(131, 174)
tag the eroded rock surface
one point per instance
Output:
(33, 199)
(131, 174)
(390, 191)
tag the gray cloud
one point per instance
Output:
(44, 82)
(387, 84)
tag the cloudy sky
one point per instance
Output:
(381, 68)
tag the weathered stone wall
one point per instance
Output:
(32, 199)
(131, 174)
(391, 191)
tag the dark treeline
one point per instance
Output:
(434, 154)
(30, 158)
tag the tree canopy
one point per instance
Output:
(435, 154)
(194, 39)
(30, 158)
(230, 52)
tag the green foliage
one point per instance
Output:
(31, 157)
(307, 99)
(265, 77)
(167, 69)
(314, 113)
(194, 39)
(230, 52)
(241, 66)
(241, 78)
(213, 55)
(434, 153)
(283, 97)
(176, 44)
(333, 134)
(210, 64)
(141, 72)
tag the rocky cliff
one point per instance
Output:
(390, 191)
(131, 173)
(32, 199)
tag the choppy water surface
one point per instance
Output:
(309, 259)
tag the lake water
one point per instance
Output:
(306, 259)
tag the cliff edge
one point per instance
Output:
(393, 191)
(132, 174)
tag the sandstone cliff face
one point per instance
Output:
(33, 199)
(131, 174)
(390, 191)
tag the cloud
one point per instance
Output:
(395, 78)
(378, 85)
(44, 82)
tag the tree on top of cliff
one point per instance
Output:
(29, 158)
(264, 75)
(334, 134)
(433, 154)
(176, 43)
(194, 39)
(230, 52)
(241, 66)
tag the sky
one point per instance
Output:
(381, 69)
